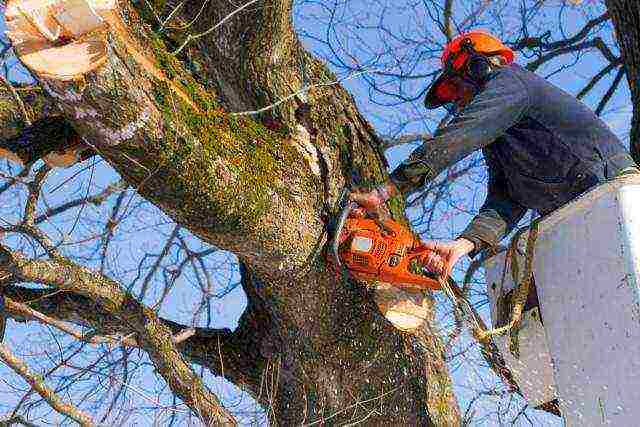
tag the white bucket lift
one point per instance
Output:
(586, 351)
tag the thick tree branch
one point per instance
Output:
(168, 148)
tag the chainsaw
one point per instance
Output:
(385, 251)
(379, 250)
(374, 250)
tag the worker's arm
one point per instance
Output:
(498, 215)
(498, 106)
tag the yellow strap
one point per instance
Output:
(522, 290)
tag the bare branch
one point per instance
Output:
(152, 334)
(540, 42)
(612, 89)
(43, 390)
(96, 200)
(597, 43)
(448, 24)
(34, 193)
(606, 70)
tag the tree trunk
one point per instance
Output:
(312, 347)
(626, 18)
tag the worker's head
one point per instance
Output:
(467, 60)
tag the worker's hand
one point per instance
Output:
(445, 255)
(374, 200)
(370, 200)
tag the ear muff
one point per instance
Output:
(478, 68)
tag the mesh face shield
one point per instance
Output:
(453, 91)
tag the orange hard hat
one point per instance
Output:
(481, 41)
(454, 58)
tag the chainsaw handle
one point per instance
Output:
(342, 219)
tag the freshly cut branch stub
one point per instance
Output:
(62, 39)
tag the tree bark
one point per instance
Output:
(322, 352)
(626, 18)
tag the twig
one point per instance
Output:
(298, 93)
(24, 310)
(96, 200)
(612, 89)
(322, 420)
(475, 14)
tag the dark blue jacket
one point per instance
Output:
(542, 147)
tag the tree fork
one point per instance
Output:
(167, 142)
(250, 190)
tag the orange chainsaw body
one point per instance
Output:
(384, 252)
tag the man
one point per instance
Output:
(542, 146)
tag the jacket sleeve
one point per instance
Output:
(497, 217)
(499, 105)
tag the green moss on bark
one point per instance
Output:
(208, 151)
